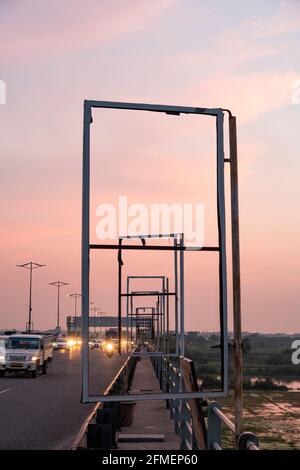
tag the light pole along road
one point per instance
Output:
(58, 284)
(31, 266)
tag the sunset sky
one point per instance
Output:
(224, 53)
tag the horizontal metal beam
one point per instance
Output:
(146, 292)
(144, 314)
(150, 235)
(138, 294)
(150, 354)
(146, 277)
(176, 110)
(102, 246)
(154, 396)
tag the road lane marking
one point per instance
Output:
(6, 390)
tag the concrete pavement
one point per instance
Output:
(150, 417)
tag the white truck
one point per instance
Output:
(27, 353)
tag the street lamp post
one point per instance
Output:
(31, 266)
(75, 297)
(58, 284)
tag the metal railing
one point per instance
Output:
(170, 379)
(123, 379)
(120, 384)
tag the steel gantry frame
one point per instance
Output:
(178, 284)
(151, 317)
(162, 305)
(218, 115)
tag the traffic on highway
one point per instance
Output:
(54, 396)
(32, 353)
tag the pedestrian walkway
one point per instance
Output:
(150, 417)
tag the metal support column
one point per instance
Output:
(85, 255)
(181, 274)
(238, 369)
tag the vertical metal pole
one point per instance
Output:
(30, 297)
(176, 294)
(58, 299)
(222, 252)
(214, 426)
(120, 295)
(181, 262)
(164, 314)
(161, 321)
(158, 323)
(152, 326)
(127, 317)
(85, 255)
(181, 342)
(31, 265)
(131, 319)
(168, 320)
(75, 316)
(236, 283)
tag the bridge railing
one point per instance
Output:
(119, 385)
(170, 379)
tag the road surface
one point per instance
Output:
(45, 413)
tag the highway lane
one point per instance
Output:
(46, 413)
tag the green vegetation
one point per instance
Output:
(266, 360)
(270, 410)
(273, 416)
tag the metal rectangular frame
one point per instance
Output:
(177, 280)
(218, 114)
(165, 305)
(129, 278)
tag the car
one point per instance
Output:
(95, 344)
(3, 346)
(27, 353)
(61, 344)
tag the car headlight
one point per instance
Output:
(54, 344)
(34, 358)
(109, 346)
(2, 358)
(71, 342)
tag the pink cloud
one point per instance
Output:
(71, 25)
(226, 82)
(247, 96)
